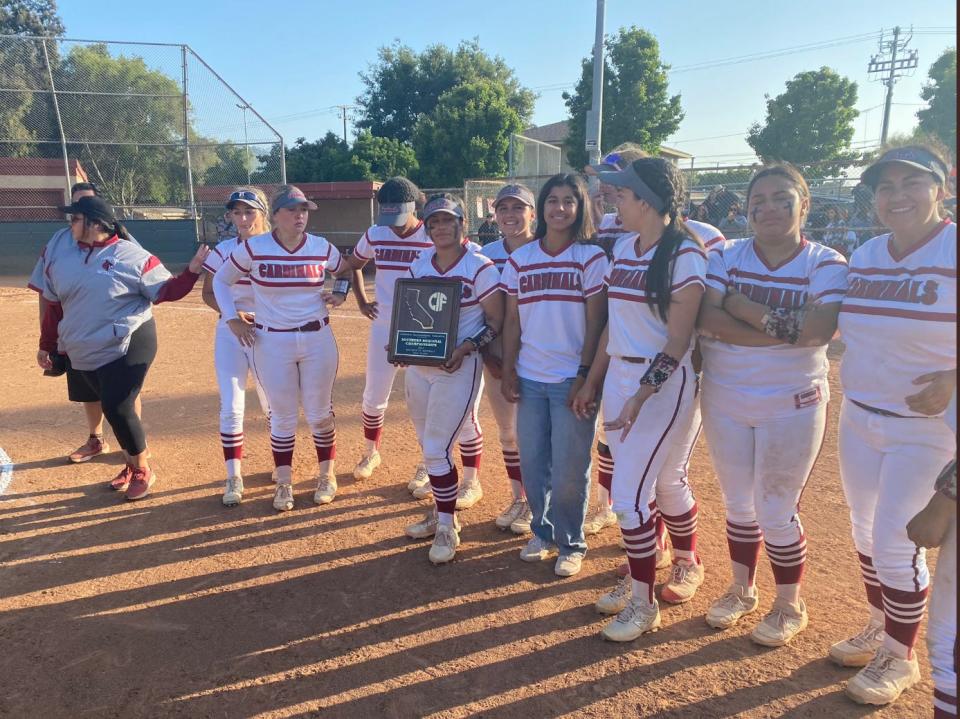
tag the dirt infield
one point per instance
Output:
(176, 606)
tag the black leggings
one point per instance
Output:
(119, 382)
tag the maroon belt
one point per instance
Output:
(314, 326)
(885, 412)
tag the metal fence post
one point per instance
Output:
(186, 142)
(56, 112)
(283, 162)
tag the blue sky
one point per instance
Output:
(299, 58)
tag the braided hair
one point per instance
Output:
(668, 184)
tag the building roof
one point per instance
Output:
(673, 152)
(554, 133)
(43, 166)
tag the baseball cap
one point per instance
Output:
(520, 192)
(442, 204)
(610, 161)
(247, 197)
(91, 207)
(395, 214)
(916, 157)
(291, 196)
(630, 179)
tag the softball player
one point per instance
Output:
(99, 287)
(898, 322)
(441, 399)
(936, 526)
(293, 350)
(246, 210)
(554, 316)
(393, 244)
(654, 286)
(772, 302)
(515, 209)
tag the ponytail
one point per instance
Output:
(120, 231)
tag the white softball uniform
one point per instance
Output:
(637, 333)
(441, 402)
(898, 322)
(709, 235)
(540, 281)
(295, 354)
(232, 361)
(765, 408)
(609, 232)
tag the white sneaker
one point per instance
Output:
(729, 608)
(684, 581)
(568, 564)
(536, 550)
(858, 650)
(511, 514)
(598, 521)
(469, 494)
(233, 491)
(783, 622)
(445, 543)
(419, 486)
(427, 526)
(614, 601)
(635, 619)
(521, 525)
(326, 489)
(366, 465)
(883, 679)
(283, 497)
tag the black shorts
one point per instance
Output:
(78, 389)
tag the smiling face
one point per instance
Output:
(291, 220)
(513, 216)
(560, 208)
(246, 219)
(776, 207)
(907, 197)
(444, 229)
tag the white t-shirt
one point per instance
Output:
(392, 256)
(635, 329)
(551, 292)
(242, 291)
(479, 279)
(777, 380)
(899, 318)
(286, 283)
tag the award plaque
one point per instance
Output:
(423, 327)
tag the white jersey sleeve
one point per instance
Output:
(364, 249)
(235, 268)
(717, 276)
(828, 282)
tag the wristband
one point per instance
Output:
(483, 337)
(947, 481)
(661, 368)
(583, 370)
(341, 286)
(784, 323)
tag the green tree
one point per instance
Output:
(466, 135)
(325, 160)
(939, 118)
(810, 122)
(26, 115)
(403, 86)
(636, 105)
(379, 158)
(138, 169)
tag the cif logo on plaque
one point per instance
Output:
(437, 301)
(426, 313)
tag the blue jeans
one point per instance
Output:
(555, 462)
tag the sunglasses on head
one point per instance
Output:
(613, 159)
(244, 195)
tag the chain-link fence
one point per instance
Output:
(151, 124)
(532, 158)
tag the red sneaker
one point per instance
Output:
(122, 480)
(94, 446)
(140, 482)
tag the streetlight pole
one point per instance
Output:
(595, 115)
(246, 142)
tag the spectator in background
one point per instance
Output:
(489, 231)
(702, 213)
(862, 222)
(734, 224)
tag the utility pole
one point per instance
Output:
(595, 114)
(889, 64)
(343, 114)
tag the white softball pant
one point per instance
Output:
(942, 625)
(505, 414)
(233, 362)
(888, 465)
(297, 368)
(440, 403)
(663, 421)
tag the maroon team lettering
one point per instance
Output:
(551, 281)
(922, 292)
(276, 272)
